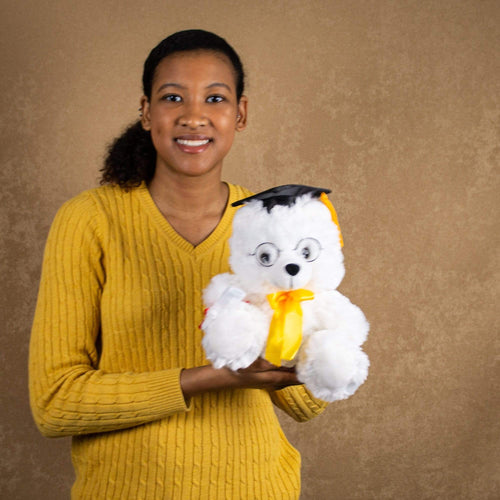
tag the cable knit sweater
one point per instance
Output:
(116, 321)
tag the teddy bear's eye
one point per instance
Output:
(309, 249)
(266, 254)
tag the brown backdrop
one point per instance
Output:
(393, 104)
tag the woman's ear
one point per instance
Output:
(241, 118)
(144, 113)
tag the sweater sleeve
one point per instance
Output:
(298, 402)
(69, 394)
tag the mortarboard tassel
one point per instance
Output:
(324, 199)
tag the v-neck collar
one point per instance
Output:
(173, 236)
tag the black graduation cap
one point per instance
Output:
(283, 195)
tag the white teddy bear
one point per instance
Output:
(281, 301)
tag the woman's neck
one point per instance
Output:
(193, 196)
(192, 205)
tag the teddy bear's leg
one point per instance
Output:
(331, 367)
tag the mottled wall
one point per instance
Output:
(394, 104)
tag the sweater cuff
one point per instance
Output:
(166, 396)
(298, 402)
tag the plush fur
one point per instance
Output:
(330, 361)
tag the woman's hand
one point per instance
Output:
(259, 375)
(263, 375)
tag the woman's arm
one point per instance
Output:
(69, 394)
(286, 391)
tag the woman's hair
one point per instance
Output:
(131, 157)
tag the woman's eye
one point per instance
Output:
(309, 249)
(266, 254)
(215, 99)
(172, 98)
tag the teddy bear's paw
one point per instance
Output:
(243, 360)
(331, 368)
(236, 337)
(224, 356)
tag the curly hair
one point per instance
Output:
(131, 157)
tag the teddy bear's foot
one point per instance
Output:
(332, 368)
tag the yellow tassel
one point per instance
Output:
(324, 199)
(285, 331)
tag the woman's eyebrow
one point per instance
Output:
(179, 86)
(218, 84)
(176, 85)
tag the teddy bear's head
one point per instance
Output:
(286, 247)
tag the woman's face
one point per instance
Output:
(193, 112)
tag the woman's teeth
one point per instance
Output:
(185, 142)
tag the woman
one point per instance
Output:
(115, 356)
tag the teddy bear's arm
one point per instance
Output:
(235, 331)
(335, 311)
(235, 336)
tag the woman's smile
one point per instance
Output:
(193, 144)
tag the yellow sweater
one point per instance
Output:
(116, 320)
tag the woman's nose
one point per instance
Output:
(193, 117)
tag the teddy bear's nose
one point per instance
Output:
(292, 269)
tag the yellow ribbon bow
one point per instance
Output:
(285, 331)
